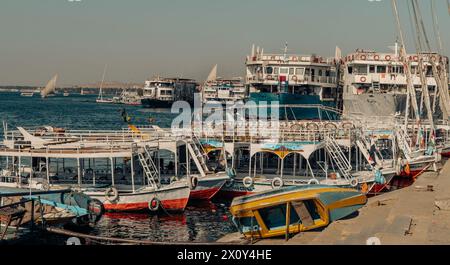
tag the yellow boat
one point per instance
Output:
(293, 209)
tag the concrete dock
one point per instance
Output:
(419, 214)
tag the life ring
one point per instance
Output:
(330, 126)
(153, 205)
(416, 58)
(194, 183)
(229, 183)
(387, 57)
(44, 186)
(313, 182)
(354, 182)
(111, 194)
(312, 126)
(363, 79)
(347, 125)
(247, 181)
(96, 210)
(294, 78)
(294, 58)
(363, 57)
(376, 57)
(277, 183)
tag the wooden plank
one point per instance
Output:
(303, 213)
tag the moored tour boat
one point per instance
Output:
(293, 209)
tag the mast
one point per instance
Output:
(411, 95)
(100, 93)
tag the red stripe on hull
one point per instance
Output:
(411, 174)
(205, 194)
(445, 154)
(169, 205)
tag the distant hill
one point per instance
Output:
(111, 85)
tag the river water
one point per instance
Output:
(201, 222)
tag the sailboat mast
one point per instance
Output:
(100, 94)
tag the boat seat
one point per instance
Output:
(303, 213)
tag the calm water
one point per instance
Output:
(203, 222)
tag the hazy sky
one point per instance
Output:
(140, 38)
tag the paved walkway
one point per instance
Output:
(419, 214)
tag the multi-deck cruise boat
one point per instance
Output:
(293, 79)
(386, 90)
(216, 89)
(162, 92)
(375, 84)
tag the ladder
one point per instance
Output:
(365, 146)
(403, 142)
(197, 157)
(200, 152)
(150, 169)
(335, 152)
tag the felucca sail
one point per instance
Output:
(213, 74)
(50, 87)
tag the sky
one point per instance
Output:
(141, 38)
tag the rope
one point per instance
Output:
(122, 240)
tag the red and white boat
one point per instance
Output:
(173, 197)
(207, 187)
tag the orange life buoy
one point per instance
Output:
(363, 79)
(376, 57)
(364, 188)
(363, 57)
(387, 57)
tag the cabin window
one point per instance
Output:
(372, 69)
(397, 69)
(307, 71)
(350, 69)
(284, 70)
(275, 217)
(429, 71)
(269, 70)
(413, 69)
(320, 72)
(300, 71)
(381, 69)
(360, 69)
(275, 70)
(291, 71)
(327, 73)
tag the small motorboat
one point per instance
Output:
(293, 209)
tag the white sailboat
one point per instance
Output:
(100, 98)
(50, 87)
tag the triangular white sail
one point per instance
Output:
(213, 74)
(50, 87)
(338, 53)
